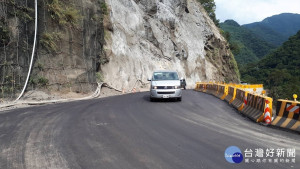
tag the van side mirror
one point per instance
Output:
(149, 79)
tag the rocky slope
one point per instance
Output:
(149, 35)
(69, 45)
(118, 41)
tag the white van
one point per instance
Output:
(165, 84)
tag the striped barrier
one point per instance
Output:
(223, 91)
(203, 87)
(216, 89)
(240, 100)
(255, 107)
(231, 94)
(200, 87)
(287, 115)
(210, 88)
(197, 87)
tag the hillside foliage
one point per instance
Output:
(245, 45)
(279, 71)
(276, 29)
(210, 7)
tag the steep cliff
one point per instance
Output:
(69, 45)
(149, 35)
(120, 42)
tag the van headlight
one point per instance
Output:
(154, 87)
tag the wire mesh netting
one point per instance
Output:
(69, 45)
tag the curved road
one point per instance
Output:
(129, 131)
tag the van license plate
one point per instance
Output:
(166, 96)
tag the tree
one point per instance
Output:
(210, 7)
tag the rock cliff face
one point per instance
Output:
(149, 35)
(118, 41)
(69, 45)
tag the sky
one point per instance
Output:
(249, 11)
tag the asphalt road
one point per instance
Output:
(129, 131)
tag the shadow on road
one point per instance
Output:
(146, 97)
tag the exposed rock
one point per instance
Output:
(126, 40)
(68, 53)
(151, 35)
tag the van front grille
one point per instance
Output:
(165, 87)
(165, 92)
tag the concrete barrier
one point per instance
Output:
(249, 88)
(215, 89)
(254, 109)
(197, 87)
(223, 91)
(210, 88)
(287, 115)
(203, 87)
(240, 100)
(200, 87)
(231, 94)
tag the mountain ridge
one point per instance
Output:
(278, 71)
(250, 46)
(276, 29)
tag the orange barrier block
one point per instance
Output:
(216, 89)
(223, 91)
(202, 87)
(210, 88)
(287, 115)
(255, 107)
(231, 94)
(239, 101)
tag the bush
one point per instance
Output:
(64, 16)
(99, 77)
(42, 81)
(104, 8)
(49, 41)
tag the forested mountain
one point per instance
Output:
(247, 46)
(279, 71)
(276, 29)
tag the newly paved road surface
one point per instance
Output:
(130, 132)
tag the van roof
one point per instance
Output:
(165, 71)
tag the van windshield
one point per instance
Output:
(157, 76)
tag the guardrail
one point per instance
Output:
(241, 99)
(251, 101)
(231, 94)
(287, 115)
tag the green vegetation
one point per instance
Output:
(22, 12)
(49, 41)
(99, 77)
(210, 7)
(40, 66)
(233, 63)
(245, 45)
(63, 14)
(276, 29)
(104, 8)
(4, 33)
(40, 81)
(267, 34)
(254, 46)
(279, 71)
